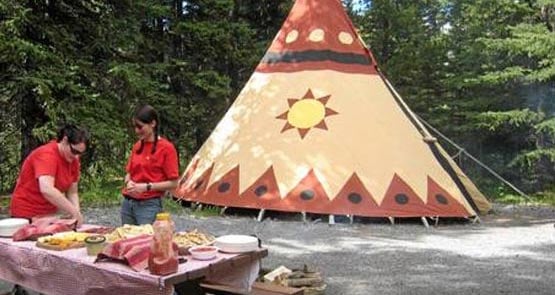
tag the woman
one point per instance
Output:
(151, 169)
(47, 182)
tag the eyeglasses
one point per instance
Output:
(75, 151)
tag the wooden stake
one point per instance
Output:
(425, 221)
(260, 215)
(331, 219)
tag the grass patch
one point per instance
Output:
(207, 211)
(544, 198)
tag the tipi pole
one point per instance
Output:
(427, 134)
(463, 151)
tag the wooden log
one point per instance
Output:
(304, 282)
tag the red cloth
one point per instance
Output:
(27, 200)
(42, 227)
(133, 252)
(148, 167)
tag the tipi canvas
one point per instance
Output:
(318, 129)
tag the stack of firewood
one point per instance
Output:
(308, 279)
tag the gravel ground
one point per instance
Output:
(509, 252)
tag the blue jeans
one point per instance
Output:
(138, 212)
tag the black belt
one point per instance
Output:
(129, 198)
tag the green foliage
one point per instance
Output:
(509, 120)
(483, 71)
(93, 62)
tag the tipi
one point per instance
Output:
(318, 129)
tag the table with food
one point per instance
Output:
(48, 255)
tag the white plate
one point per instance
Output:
(9, 226)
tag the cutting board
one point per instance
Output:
(72, 245)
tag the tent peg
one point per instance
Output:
(260, 215)
(391, 219)
(198, 206)
(331, 219)
(351, 218)
(435, 219)
(303, 214)
(222, 211)
(425, 221)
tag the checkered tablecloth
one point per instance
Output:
(73, 272)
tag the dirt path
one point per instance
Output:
(510, 252)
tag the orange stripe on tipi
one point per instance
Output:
(354, 199)
(194, 190)
(401, 201)
(442, 203)
(263, 193)
(307, 196)
(225, 190)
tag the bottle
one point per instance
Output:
(163, 256)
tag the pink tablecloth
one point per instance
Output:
(73, 272)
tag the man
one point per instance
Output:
(48, 179)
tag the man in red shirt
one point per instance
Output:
(47, 182)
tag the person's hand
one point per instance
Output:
(79, 217)
(135, 188)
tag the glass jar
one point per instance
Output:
(95, 244)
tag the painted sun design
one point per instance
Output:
(306, 113)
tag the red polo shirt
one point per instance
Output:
(148, 167)
(27, 200)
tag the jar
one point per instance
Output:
(95, 244)
(163, 256)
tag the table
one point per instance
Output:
(73, 272)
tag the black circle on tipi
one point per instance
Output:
(401, 199)
(307, 195)
(198, 184)
(261, 190)
(354, 198)
(224, 187)
(441, 199)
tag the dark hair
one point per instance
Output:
(147, 114)
(75, 134)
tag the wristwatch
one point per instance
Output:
(148, 186)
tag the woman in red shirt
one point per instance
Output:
(47, 182)
(151, 169)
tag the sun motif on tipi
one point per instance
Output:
(306, 113)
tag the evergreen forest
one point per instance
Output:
(481, 72)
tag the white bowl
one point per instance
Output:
(236, 243)
(203, 252)
(9, 226)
